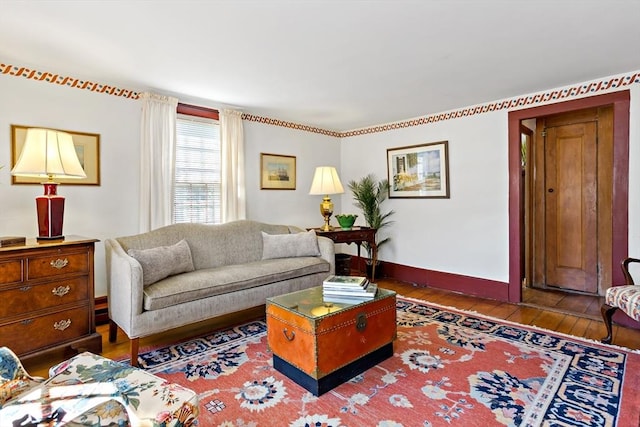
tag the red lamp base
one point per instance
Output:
(50, 209)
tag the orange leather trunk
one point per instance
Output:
(320, 346)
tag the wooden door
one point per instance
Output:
(570, 217)
(572, 173)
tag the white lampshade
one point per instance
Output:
(326, 181)
(48, 153)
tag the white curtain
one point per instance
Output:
(157, 158)
(233, 187)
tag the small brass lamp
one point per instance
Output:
(326, 181)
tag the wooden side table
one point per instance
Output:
(356, 235)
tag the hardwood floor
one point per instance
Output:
(579, 317)
(564, 302)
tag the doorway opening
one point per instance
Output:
(529, 213)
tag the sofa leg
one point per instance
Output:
(607, 314)
(113, 331)
(135, 342)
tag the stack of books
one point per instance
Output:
(348, 289)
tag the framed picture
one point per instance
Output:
(419, 171)
(277, 172)
(87, 148)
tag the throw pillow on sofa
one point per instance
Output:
(163, 261)
(289, 245)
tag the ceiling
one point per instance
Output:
(338, 65)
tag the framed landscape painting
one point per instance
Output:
(419, 171)
(277, 172)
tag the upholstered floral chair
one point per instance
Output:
(13, 378)
(625, 298)
(90, 390)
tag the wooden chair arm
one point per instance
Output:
(625, 270)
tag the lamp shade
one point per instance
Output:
(326, 181)
(48, 153)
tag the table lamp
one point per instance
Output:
(49, 153)
(326, 181)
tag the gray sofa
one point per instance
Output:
(185, 273)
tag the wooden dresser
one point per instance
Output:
(47, 297)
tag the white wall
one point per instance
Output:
(293, 207)
(111, 209)
(468, 233)
(91, 211)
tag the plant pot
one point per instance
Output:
(369, 268)
(346, 221)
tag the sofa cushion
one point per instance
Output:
(199, 284)
(163, 261)
(289, 245)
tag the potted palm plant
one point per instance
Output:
(368, 195)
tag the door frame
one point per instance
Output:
(620, 197)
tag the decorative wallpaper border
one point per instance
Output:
(513, 103)
(290, 125)
(28, 73)
(579, 90)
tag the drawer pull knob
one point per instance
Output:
(61, 325)
(25, 288)
(59, 263)
(289, 336)
(61, 291)
(27, 321)
(361, 322)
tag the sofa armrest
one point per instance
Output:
(124, 286)
(14, 379)
(328, 252)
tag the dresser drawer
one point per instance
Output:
(56, 264)
(44, 295)
(10, 271)
(46, 330)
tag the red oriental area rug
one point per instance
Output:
(449, 368)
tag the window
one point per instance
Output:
(197, 174)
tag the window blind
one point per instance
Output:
(197, 171)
